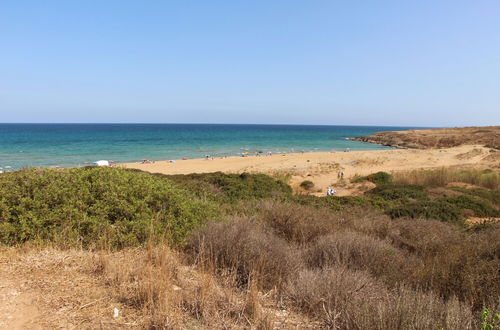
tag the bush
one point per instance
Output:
(492, 196)
(307, 185)
(334, 295)
(95, 207)
(378, 178)
(346, 299)
(449, 261)
(296, 223)
(398, 191)
(233, 187)
(341, 203)
(240, 246)
(357, 251)
(439, 210)
(450, 209)
(480, 207)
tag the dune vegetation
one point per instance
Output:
(238, 251)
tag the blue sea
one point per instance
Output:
(72, 145)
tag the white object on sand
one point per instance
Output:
(116, 312)
(101, 163)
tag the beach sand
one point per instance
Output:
(322, 168)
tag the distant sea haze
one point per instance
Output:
(26, 145)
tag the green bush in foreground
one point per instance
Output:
(95, 207)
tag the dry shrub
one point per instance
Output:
(170, 294)
(468, 268)
(347, 299)
(296, 223)
(245, 249)
(415, 309)
(448, 261)
(367, 221)
(335, 295)
(423, 237)
(357, 251)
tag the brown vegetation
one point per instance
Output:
(279, 262)
(445, 176)
(437, 138)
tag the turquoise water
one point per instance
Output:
(23, 145)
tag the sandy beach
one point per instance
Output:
(322, 168)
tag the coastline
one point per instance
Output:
(322, 168)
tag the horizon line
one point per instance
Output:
(186, 123)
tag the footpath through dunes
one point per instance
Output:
(437, 138)
(322, 168)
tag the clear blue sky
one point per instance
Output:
(421, 63)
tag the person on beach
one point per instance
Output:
(329, 191)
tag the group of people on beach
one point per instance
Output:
(330, 191)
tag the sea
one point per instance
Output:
(75, 145)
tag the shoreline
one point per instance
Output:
(322, 168)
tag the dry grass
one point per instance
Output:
(443, 176)
(58, 289)
(170, 294)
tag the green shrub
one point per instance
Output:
(397, 191)
(378, 178)
(439, 210)
(95, 207)
(490, 319)
(480, 207)
(307, 185)
(489, 195)
(233, 187)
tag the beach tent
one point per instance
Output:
(101, 163)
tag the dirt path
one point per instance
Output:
(17, 304)
(48, 288)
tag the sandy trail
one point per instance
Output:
(322, 168)
(17, 304)
(53, 289)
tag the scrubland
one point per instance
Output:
(438, 137)
(242, 251)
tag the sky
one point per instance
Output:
(410, 63)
